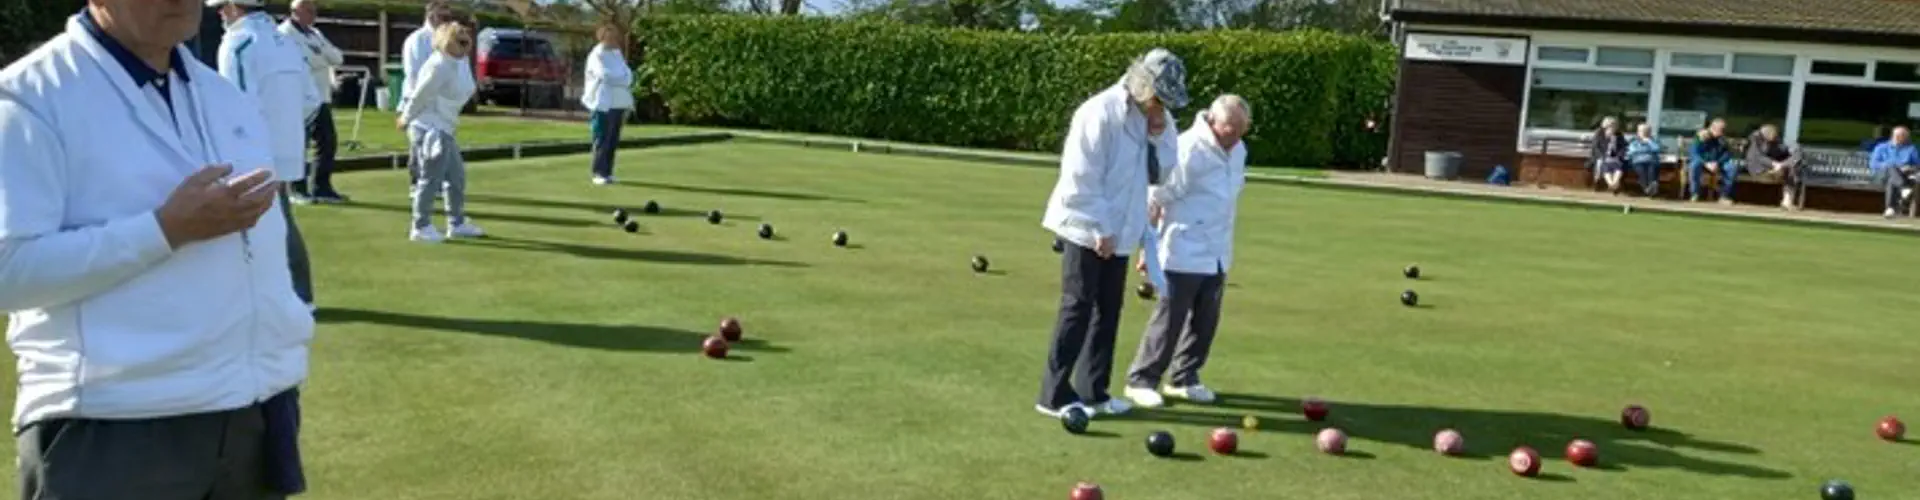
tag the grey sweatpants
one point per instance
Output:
(297, 253)
(440, 169)
(207, 456)
(1180, 332)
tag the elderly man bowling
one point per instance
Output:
(1196, 208)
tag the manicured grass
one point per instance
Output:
(378, 134)
(557, 359)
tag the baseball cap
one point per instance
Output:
(1169, 76)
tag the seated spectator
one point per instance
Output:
(1608, 155)
(1896, 165)
(1643, 154)
(1770, 157)
(1709, 155)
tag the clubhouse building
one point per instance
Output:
(1517, 82)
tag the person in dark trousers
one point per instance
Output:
(609, 95)
(1896, 165)
(322, 57)
(1709, 155)
(1099, 204)
(1196, 208)
(1769, 156)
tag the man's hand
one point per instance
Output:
(1155, 212)
(1104, 247)
(1141, 265)
(1713, 167)
(204, 207)
(400, 123)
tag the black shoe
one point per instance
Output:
(330, 198)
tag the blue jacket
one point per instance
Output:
(1890, 155)
(1709, 151)
(1643, 150)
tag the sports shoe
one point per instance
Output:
(465, 230)
(1062, 410)
(425, 235)
(1195, 393)
(1891, 213)
(602, 180)
(1146, 398)
(1113, 406)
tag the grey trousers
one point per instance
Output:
(1181, 331)
(1895, 181)
(297, 253)
(440, 171)
(208, 456)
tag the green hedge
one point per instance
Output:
(1310, 90)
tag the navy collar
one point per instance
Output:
(142, 74)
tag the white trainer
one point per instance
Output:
(425, 235)
(1146, 398)
(602, 181)
(1114, 406)
(1194, 393)
(1063, 410)
(465, 230)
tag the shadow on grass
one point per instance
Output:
(609, 337)
(1489, 433)
(635, 254)
(481, 217)
(602, 210)
(756, 193)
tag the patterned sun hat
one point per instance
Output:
(1169, 76)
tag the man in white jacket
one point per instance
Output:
(273, 70)
(1197, 210)
(322, 58)
(609, 95)
(1099, 212)
(158, 340)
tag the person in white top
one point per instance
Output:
(430, 118)
(1098, 210)
(609, 95)
(322, 58)
(158, 339)
(1197, 209)
(273, 70)
(414, 53)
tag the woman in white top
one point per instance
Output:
(609, 95)
(429, 117)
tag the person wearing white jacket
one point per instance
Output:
(153, 323)
(609, 95)
(429, 118)
(1197, 209)
(1098, 210)
(413, 54)
(322, 57)
(273, 70)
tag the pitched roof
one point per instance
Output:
(1890, 17)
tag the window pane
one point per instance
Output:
(1698, 61)
(1755, 64)
(1896, 72)
(1840, 116)
(1563, 54)
(1624, 58)
(1577, 100)
(1744, 104)
(1836, 68)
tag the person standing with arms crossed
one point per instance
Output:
(157, 337)
(322, 58)
(609, 94)
(273, 70)
(1098, 205)
(1197, 212)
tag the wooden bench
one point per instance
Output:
(1583, 148)
(1820, 167)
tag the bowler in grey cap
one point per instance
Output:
(1118, 141)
